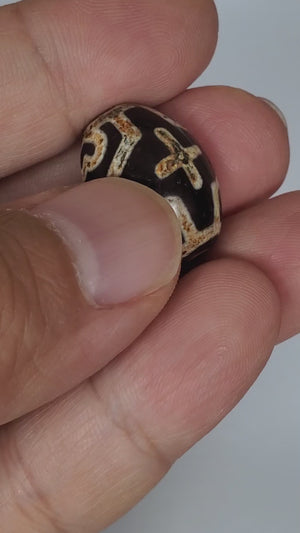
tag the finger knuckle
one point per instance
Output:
(130, 426)
(27, 503)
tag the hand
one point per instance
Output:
(96, 403)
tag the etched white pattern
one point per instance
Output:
(130, 137)
(99, 140)
(180, 157)
(125, 149)
(195, 238)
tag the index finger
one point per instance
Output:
(64, 61)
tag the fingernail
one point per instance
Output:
(276, 109)
(124, 239)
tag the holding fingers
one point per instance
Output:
(107, 374)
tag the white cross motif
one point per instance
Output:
(180, 157)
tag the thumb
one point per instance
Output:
(82, 274)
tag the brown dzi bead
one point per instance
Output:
(143, 145)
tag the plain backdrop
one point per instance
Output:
(244, 477)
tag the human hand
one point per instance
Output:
(82, 460)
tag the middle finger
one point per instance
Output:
(244, 138)
(63, 61)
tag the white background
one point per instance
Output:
(245, 476)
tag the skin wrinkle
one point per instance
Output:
(40, 507)
(271, 250)
(193, 347)
(22, 329)
(40, 426)
(59, 89)
(7, 322)
(30, 323)
(131, 428)
(27, 258)
(14, 65)
(14, 246)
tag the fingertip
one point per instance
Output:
(217, 333)
(243, 137)
(239, 329)
(277, 110)
(240, 287)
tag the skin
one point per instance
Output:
(87, 430)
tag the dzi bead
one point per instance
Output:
(143, 145)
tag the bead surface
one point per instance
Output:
(143, 145)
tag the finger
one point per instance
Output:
(62, 170)
(244, 138)
(268, 235)
(82, 275)
(64, 61)
(127, 425)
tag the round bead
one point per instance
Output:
(143, 145)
